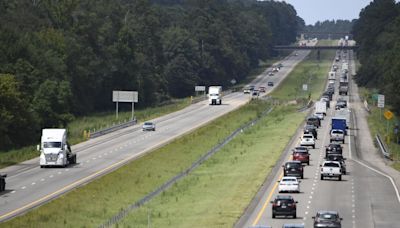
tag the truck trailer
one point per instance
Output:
(54, 149)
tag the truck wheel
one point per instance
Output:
(322, 177)
(313, 146)
(273, 215)
(302, 176)
(340, 178)
(330, 140)
(294, 215)
(308, 163)
(220, 102)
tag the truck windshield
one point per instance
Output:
(52, 145)
(214, 94)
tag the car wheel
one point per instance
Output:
(302, 177)
(308, 163)
(294, 215)
(322, 177)
(330, 140)
(273, 215)
(343, 141)
(313, 146)
(340, 178)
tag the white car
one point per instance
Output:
(149, 126)
(308, 140)
(289, 184)
(320, 115)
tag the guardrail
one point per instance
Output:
(112, 129)
(382, 146)
(124, 212)
(366, 106)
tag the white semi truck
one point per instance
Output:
(54, 149)
(215, 95)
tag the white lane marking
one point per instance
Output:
(13, 192)
(87, 161)
(94, 158)
(99, 156)
(33, 183)
(51, 176)
(59, 173)
(23, 187)
(42, 179)
(66, 170)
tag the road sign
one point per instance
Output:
(199, 88)
(125, 96)
(388, 115)
(381, 101)
(305, 87)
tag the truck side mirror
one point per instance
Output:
(38, 147)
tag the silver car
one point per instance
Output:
(149, 126)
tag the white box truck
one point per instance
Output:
(215, 95)
(320, 109)
(54, 148)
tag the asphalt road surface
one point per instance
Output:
(29, 186)
(364, 198)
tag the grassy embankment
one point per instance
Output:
(98, 121)
(378, 124)
(217, 192)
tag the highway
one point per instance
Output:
(364, 198)
(29, 186)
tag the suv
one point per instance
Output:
(294, 169)
(327, 219)
(311, 129)
(301, 154)
(284, 205)
(313, 120)
(270, 84)
(307, 140)
(333, 148)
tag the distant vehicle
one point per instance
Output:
(311, 129)
(275, 69)
(339, 123)
(337, 135)
(246, 90)
(284, 205)
(332, 75)
(296, 54)
(313, 120)
(293, 169)
(54, 148)
(3, 182)
(333, 148)
(307, 140)
(270, 84)
(262, 89)
(339, 158)
(289, 184)
(149, 126)
(331, 169)
(320, 107)
(255, 94)
(301, 154)
(215, 95)
(270, 73)
(327, 219)
(252, 87)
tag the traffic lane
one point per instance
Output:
(262, 215)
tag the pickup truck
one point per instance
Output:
(331, 169)
(337, 135)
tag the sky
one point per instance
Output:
(320, 10)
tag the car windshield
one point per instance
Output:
(148, 123)
(307, 136)
(52, 145)
(331, 164)
(292, 165)
(288, 180)
(328, 216)
(337, 132)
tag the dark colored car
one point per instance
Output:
(3, 182)
(312, 130)
(302, 155)
(339, 158)
(270, 84)
(327, 219)
(333, 148)
(252, 87)
(340, 105)
(328, 94)
(293, 226)
(313, 120)
(293, 169)
(284, 205)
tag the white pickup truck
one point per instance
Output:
(337, 135)
(331, 169)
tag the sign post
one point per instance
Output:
(125, 96)
(200, 89)
(381, 104)
(388, 116)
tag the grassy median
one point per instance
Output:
(214, 195)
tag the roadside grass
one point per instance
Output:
(217, 193)
(312, 72)
(102, 198)
(97, 121)
(378, 124)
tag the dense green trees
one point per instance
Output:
(332, 29)
(60, 59)
(377, 31)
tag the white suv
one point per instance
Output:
(308, 140)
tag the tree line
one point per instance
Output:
(330, 29)
(62, 59)
(377, 32)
